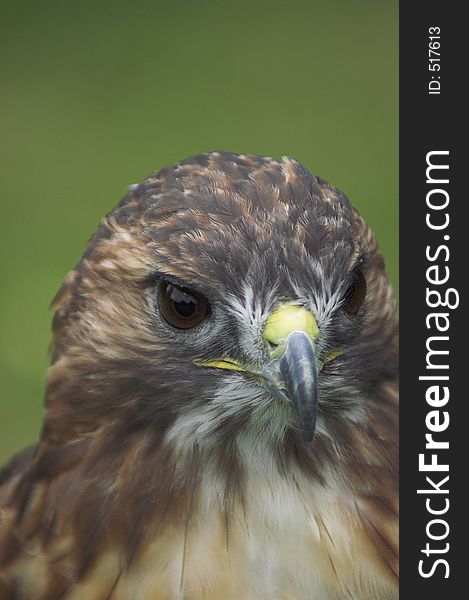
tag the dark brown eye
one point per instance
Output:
(180, 307)
(356, 293)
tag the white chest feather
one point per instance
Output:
(286, 541)
(289, 539)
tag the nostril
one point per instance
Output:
(273, 349)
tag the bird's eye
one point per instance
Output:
(355, 294)
(180, 307)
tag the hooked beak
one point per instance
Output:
(293, 377)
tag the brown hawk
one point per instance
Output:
(221, 408)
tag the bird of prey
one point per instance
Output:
(221, 406)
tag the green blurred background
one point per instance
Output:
(96, 95)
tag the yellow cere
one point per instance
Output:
(287, 318)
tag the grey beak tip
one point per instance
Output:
(299, 370)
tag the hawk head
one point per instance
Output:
(225, 295)
(224, 372)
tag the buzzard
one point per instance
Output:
(221, 406)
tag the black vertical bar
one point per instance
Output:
(432, 120)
